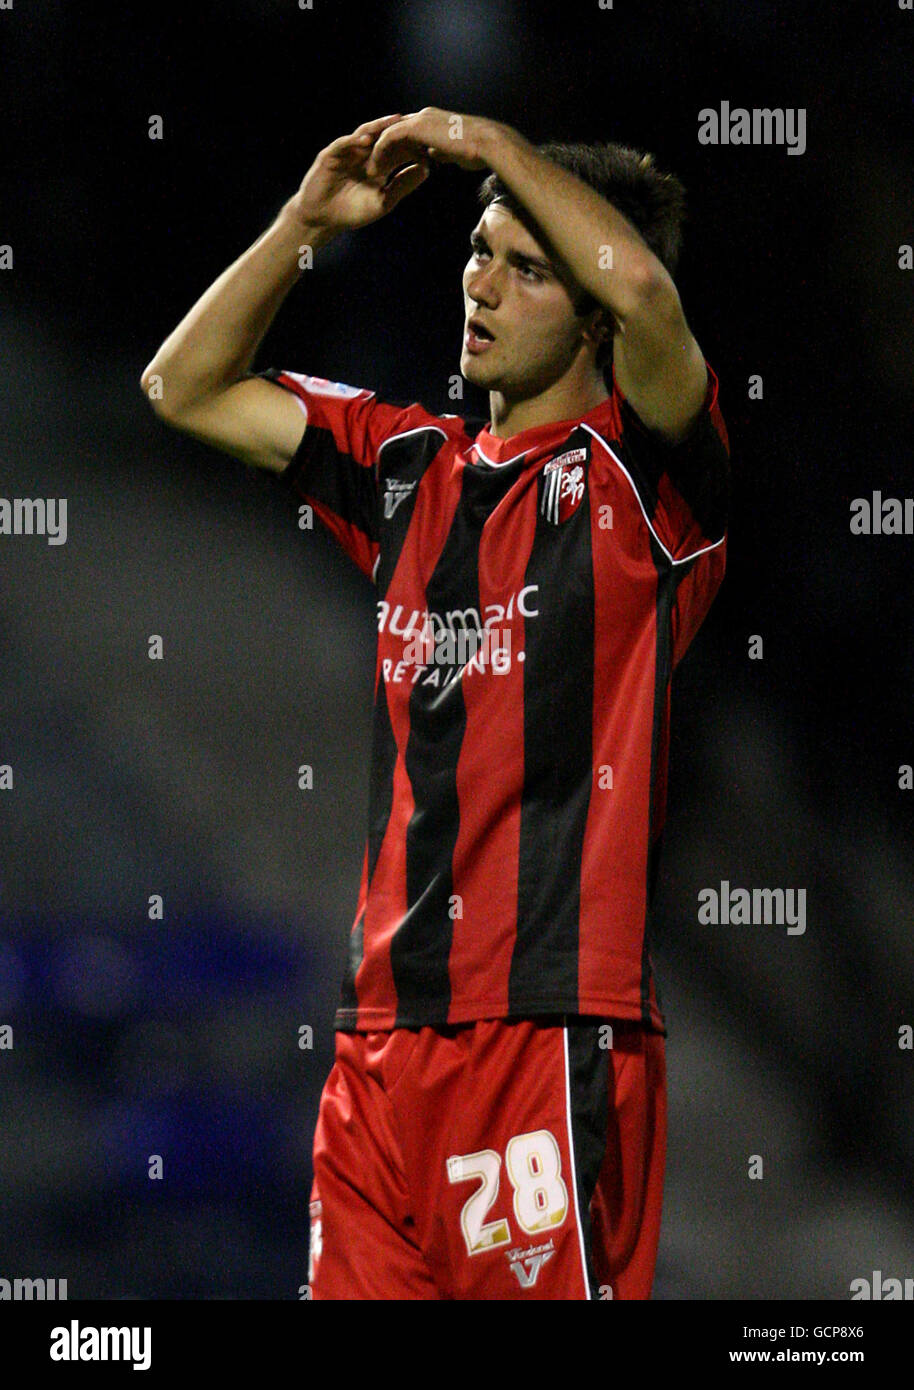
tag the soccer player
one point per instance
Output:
(494, 1125)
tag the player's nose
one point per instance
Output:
(483, 292)
(481, 286)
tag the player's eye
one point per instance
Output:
(529, 273)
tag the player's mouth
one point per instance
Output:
(478, 336)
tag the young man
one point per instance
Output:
(494, 1125)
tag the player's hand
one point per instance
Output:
(339, 190)
(443, 136)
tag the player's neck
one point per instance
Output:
(563, 400)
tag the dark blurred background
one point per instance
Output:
(132, 777)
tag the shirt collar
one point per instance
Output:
(490, 448)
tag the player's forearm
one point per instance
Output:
(601, 248)
(214, 344)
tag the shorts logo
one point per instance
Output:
(526, 1264)
(563, 486)
(394, 492)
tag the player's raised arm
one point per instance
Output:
(197, 379)
(659, 366)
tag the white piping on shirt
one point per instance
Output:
(615, 457)
(501, 463)
(419, 429)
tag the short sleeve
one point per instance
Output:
(335, 468)
(684, 487)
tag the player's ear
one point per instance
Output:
(599, 325)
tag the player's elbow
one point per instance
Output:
(652, 299)
(152, 387)
(155, 389)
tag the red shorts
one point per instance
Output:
(493, 1160)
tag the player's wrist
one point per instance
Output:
(307, 222)
(493, 140)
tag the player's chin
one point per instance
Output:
(478, 371)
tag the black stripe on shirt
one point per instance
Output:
(405, 460)
(668, 580)
(698, 466)
(420, 949)
(558, 755)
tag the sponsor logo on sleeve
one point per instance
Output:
(322, 387)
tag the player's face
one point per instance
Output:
(513, 290)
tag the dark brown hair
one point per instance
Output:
(653, 201)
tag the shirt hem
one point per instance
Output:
(374, 1020)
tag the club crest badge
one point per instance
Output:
(563, 486)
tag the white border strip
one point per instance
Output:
(419, 429)
(574, 1176)
(686, 558)
(492, 463)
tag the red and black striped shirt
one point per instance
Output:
(534, 596)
